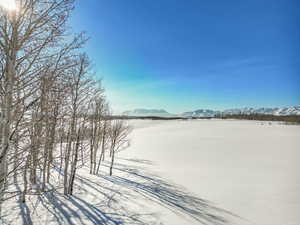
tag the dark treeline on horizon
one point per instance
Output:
(263, 117)
(259, 117)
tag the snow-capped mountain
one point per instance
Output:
(201, 113)
(247, 110)
(148, 112)
(287, 111)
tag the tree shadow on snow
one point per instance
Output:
(157, 190)
(102, 199)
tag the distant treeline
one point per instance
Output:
(263, 117)
(259, 117)
(148, 118)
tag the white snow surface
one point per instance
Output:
(250, 168)
(185, 172)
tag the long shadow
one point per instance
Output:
(105, 199)
(24, 209)
(135, 160)
(134, 180)
(75, 210)
(60, 209)
(155, 189)
(25, 213)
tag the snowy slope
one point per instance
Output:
(182, 173)
(247, 167)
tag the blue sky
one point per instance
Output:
(183, 55)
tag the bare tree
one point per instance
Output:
(118, 136)
(80, 88)
(53, 113)
(104, 141)
(96, 118)
(29, 38)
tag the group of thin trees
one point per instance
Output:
(54, 116)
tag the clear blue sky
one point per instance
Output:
(183, 55)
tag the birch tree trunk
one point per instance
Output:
(7, 108)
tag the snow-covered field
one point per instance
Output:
(183, 173)
(248, 167)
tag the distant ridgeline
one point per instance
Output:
(287, 111)
(148, 112)
(288, 114)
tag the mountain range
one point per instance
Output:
(211, 113)
(148, 112)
